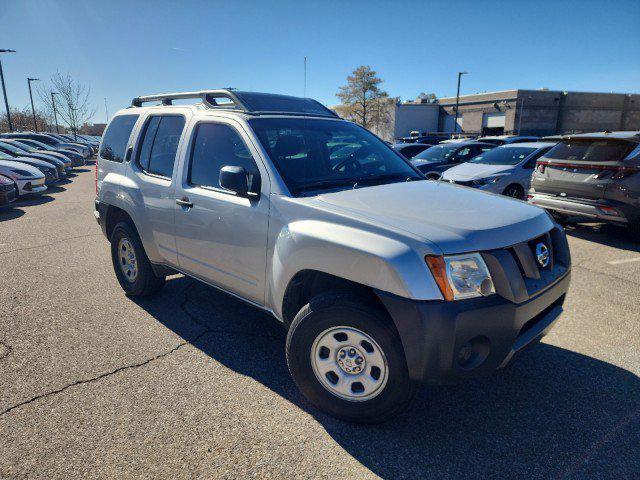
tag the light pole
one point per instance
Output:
(455, 121)
(4, 90)
(55, 114)
(106, 110)
(33, 110)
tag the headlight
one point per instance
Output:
(484, 181)
(461, 276)
(22, 173)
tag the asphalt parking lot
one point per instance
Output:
(194, 383)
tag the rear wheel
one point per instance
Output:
(514, 191)
(131, 264)
(347, 359)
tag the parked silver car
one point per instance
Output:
(382, 278)
(506, 169)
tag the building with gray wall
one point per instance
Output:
(540, 112)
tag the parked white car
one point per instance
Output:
(506, 169)
(28, 179)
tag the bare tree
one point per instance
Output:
(362, 99)
(72, 101)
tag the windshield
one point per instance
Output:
(315, 154)
(437, 152)
(503, 156)
(23, 146)
(11, 148)
(36, 143)
(589, 150)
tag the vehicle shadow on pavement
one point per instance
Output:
(32, 201)
(605, 234)
(552, 413)
(8, 212)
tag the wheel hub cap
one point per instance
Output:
(351, 360)
(349, 363)
(127, 260)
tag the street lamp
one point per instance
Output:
(4, 90)
(455, 121)
(55, 115)
(33, 110)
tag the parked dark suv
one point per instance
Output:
(593, 175)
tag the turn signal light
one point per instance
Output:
(439, 270)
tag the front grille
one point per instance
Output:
(6, 187)
(517, 273)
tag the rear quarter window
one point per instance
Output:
(115, 139)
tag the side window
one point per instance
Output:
(531, 163)
(114, 141)
(148, 135)
(215, 146)
(157, 153)
(462, 154)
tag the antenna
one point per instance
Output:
(305, 77)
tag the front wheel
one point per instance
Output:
(347, 359)
(514, 191)
(131, 264)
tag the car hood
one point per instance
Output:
(7, 165)
(36, 162)
(418, 162)
(473, 171)
(456, 219)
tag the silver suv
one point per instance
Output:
(382, 279)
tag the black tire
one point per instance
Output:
(146, 282)
(333, 310)
(561, 218)
(514, 191)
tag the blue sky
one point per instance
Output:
(128, 48)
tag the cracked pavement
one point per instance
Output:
(194, 384)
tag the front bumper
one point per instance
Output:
(445, 342)
(581, 207)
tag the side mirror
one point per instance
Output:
(236, 179)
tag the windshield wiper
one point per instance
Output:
(326, 184)
(383, 178)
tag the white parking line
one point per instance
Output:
(626, 260)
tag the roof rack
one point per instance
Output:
(247, 102)
(211, 98)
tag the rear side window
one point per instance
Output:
(594, 151)
(114, 141)
(161, 137)
(214, 147)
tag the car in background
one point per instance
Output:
(42, 154)
(78, 145)
(83, 150)
(50, 172)
(592, 175)
(506, 169)
(81, 140)
(433, 161)
(13, 150)
(28, 179)
(410, 150)
(8, 190)
(75, 157)
(427, 139)
(508, 139)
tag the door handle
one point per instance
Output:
(184, 202)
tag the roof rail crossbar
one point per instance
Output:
(211, 98)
